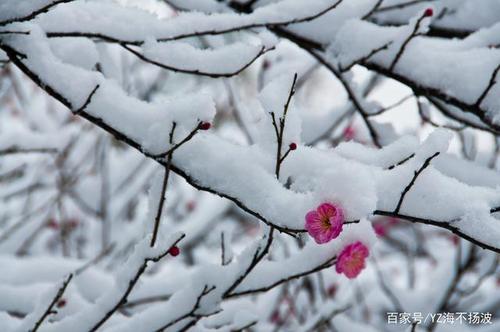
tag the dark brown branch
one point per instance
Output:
(163, 190)
(445, 224)
(198, 72)
(492, 82)
(170, 151)
(413, 34)
(281, 130)
(372, 83)
(16, 150)
(352, 96)
(432, 94)
(131, 285)
(12, 32)
(13, 55)
(198, 33)
(206, 290)
(146, 300)
(390, 107)
(427, 119)
(399, 163)
(373, 10)
(401, 5)
(465, 122)
(50, 308)
(34, 14)
(245, 328)
(258, 256)
(323, 266)
(223, 250)
(412, 182)
(366, 57)
(87, 101)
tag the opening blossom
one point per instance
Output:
(351, 260)
(325, 223)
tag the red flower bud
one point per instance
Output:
(61, 303)
(174, 251)
(204, 126)
(293, 146)
(332, 290)
(190, 206)
(428, 12)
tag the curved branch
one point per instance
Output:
(34, 13)
(198, 72)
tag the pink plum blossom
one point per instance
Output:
(351, 260)
(325, 223)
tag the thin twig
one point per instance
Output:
(163, 190)
(413, 34)
(50, 308)
(198, 72)
(34, 13)
(491, 83)
(412, 182)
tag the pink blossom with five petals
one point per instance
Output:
(351, 260)
(325, 223)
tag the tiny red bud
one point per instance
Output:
(332, 290)
(61, 303)
(52, 224)
(428, 12)
(174, 251)
(205, 126)
(349, 133)
(455, 240)
(276, 317)
(190, 206)
(293, 146)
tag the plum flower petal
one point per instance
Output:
(325, 223)
(351, 260)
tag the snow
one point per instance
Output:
(185, 57)
(98, 18)
(224, 199)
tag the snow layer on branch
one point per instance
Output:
(459, 15)
(273, 99)
(445, 65)
(246, 174)
(219, 61)
(149, 124)
(433, 190)
(310, 257)
(52, 70)
(76, 51)
(206, 6)
(388, 156)
(324, 28)
(14, 9)
(135, 26)
(85, 319)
